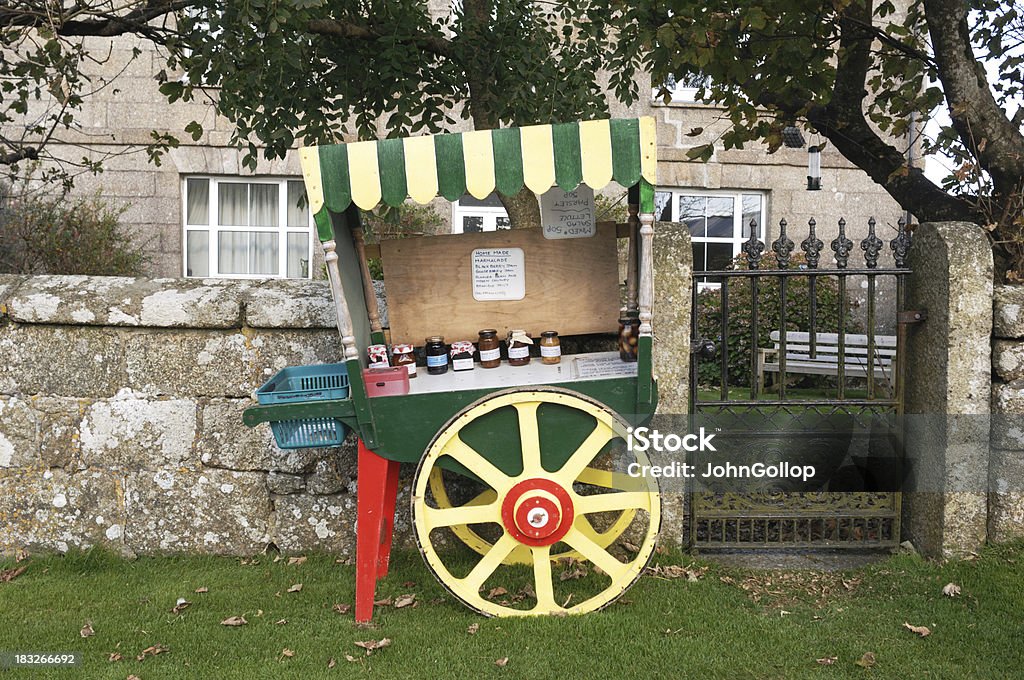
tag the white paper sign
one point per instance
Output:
(499, 274)
(604, 367)
(568, 214)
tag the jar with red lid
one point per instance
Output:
(378, 356)
(490, 348)
(629, 334)
(402, 355)
(519, 343)
(462, 355)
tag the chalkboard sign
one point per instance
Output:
(568, 214)
(499, 274)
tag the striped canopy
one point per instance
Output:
(450, 165)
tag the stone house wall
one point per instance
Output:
(120, 417)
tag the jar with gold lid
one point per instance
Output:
(490, 348)
(550, 348)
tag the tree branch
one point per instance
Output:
(348, 30)
(105, 25)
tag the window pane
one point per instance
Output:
(298, 256)
(751, 211)
(262, 253)
(232, 252)
(197, 201)
(720, 216)
(232, 204)
(502, 222)
(719, 256)
(691, 213)
(663, 206)
(263, 205)
(197, 250)
(699, 250)
(472, 224)
(297, 216)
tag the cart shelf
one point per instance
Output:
(573, 368)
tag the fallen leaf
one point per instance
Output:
(495, 592)
(234, 621)
(152, 651)
(346, 561)
(287, 653)
(280, 622)
(349, 657)
(331, 663)
(21, 555)
(295, 588)
(827, 660)
(8, 575)
(296, 561)
(342, 608)
(115, 656)
(386, 602)
(372, 645)
(87, 631)
(866, 661)
(473, 628)
(660, 550)
(502, 662)
(180, 606)
(951, 590)
(404, 601)
(133, 677)
(202, 589)
(409, 584)
(923, 631)
(631, 547)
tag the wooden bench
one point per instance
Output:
(826, 356)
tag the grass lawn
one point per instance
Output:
(729, 623)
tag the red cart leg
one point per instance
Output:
(377, 484)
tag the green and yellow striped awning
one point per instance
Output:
(480, 162)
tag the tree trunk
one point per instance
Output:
(523, 209)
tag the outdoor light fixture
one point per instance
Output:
(814, 168)
(792, 137)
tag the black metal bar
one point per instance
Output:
(870, 368)
(880, 403)
(812, 246)
(783, 247)
(793, 273)
(755, 376)
(724, 344)
(840, 364)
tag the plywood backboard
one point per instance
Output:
(571, 285)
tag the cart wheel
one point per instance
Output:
(535, 515)
(521, 554)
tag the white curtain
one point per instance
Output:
(263, 205)
(247, 252)
(198, 198)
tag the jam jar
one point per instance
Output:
(490, 348)
(519, 343)
(401, 355)
(462, 356)
(550, 348)
(378, 356)
(437, 355)
(629, 331)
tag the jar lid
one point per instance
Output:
(519, 335)
(401, 349)
(549, 334)
(435, 338)
(462, 347)
(489, 333)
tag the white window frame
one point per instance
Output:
(737, 238)
(214, 229)
(490, 216)
(680, 94)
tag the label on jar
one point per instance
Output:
(518, 352)
(411, 367)
(462, 364)
(490, 354)
(546, 351)
(439, 360)
(380, 364)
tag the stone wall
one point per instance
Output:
(120, 417)
(1006, 465)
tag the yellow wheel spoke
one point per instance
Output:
(542, 580)
(464, 514)
(609, 479)
(489, 562)
(475, 463)
(606, 502)
(596, 554)
(587, 451)
(529, 437)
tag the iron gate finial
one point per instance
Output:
(871, 245)
(753, 248)
(900, 245)
(842, 246)
(783, 247)
(812, 245)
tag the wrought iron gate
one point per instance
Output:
(835, 395)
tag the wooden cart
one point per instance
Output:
(524, 465)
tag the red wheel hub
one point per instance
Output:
(537, 512)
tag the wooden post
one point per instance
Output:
(348, 339)
(646, 302)
(631, 275)
(364, 270)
